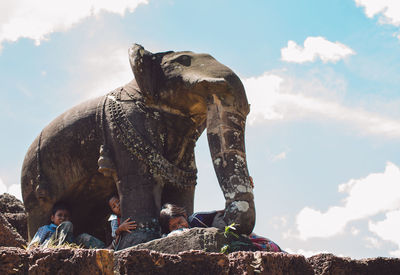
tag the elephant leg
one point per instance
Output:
(139, 201)
(183, 197)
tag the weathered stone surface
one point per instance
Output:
(10, 204)
(14, 211)
(130, 261)
(245, 262)
(19, 222)
(56, 261)
(206, 239)
(141, 261)
(8, 235)
(332, 265)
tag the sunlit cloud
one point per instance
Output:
(314, 48)
(36, 20)
(354, 231)
(101, 71)
(388, 10)
(366, 197)
(371, 242)
(305, 253)
(279, 222)
(3, 187)
(275, 96)
(388, 229)
(14, 189)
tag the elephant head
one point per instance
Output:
(212, 96)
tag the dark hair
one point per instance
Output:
(60, 206)
(114, 195)
(169, 211)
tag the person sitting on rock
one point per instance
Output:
(173, 220)
(60, 231)
(116, 226)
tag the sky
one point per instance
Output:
(322, 78)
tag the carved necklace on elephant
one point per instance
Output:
(139, 148)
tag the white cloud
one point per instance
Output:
(371, 242)
(101, 71)
(279, 222)
(36, 20)
(275, 96)
(388, 9)
(280, 156)
(305, 253)
(14, 189)
(388, 229)
(264, 96)
(3, 187)
(366, 197)
(315, 47)
(354, 231)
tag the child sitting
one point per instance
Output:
(116, 226)
(173, 220)
(60, 231)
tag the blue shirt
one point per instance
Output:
(43, 234)
(114, 224)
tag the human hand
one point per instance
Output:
(127, 226)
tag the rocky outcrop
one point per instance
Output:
(268, 263)
(325, 264)
(205, 239)
(8, 235)
(14, 212)
(10, 204)
(131, 261)
(56, 261)
(140, 261)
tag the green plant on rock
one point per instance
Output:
(235, 242)
(229, 231)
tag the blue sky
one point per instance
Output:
(322, 79)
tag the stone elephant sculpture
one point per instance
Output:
(146, 131)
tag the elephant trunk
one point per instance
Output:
(226, 119)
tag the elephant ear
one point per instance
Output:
(146, 67)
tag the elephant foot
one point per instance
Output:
(144, 232)
(137, 237)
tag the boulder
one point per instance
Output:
(277, 263)
(205, 239)
(140, 261)
(14, 211)
(18, 222)
(10, 204)
(56, 261)
(324, 264)
(132, 261)
(8, 235)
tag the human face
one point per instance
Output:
(114, 205)
(60, 216)
(177, 223)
